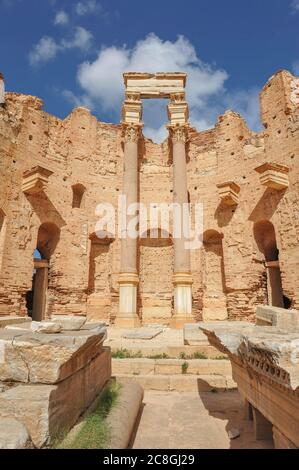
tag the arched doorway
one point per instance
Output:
(264, 234)
(47, 239)
(214, 289)
(2, 230)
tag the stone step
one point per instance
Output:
(145, 366)
(181, 383)
(172, 351)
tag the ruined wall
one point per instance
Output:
(83, 273)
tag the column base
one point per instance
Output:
(182, 300)
(127, 316)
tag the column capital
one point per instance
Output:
(179, 133)
(131, 132)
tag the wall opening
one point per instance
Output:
(214, 285)
(78, 195)
(2, 236)
(36, 298)
(264, 234)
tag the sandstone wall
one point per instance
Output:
(81, 150)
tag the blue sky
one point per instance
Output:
(73, 53)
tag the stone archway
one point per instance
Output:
(264, 234)
(47, 239)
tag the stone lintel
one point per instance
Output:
(155, 85)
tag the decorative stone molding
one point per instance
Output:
(184, 279)
(131, 132)
(128, 278)
(178, 97)
(179, 133)
(229, 193)
(35, 180)
(178, 111)
(274, 175)
(265, 365)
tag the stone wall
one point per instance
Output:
(83, 275)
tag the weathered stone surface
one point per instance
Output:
(13, 320)
(44, 358)
(193, 335)
(142, 333)
(46, 410)
(265, 365)
(69, 322)
(46, 327)
(13, 434)
(229, 273)
(279, 317)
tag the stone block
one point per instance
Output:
(193, 335)
(280, 317)
(47, 410)
(70, 322)
(13, 434)
(44, 358)
(13, 320)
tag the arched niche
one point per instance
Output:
(99, 289)
(78, 195)
(155, 275)
(265, 237)
(214, 286)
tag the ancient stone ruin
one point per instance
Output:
(64, 274)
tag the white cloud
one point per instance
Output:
(88, 7)
(103, 89)
(47, 47)
(295, 5)
(296, 67)
(61, 18)
(82, 39)
(45, 50)
(101, 80)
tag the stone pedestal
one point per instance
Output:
(182, 300)
(127, 316)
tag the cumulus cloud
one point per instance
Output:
(102, 79)
(102, 84)
(61, 18)
(82, 39)
(47, 48)
(88, 7)
(295, 5)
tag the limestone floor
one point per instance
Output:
(189, 420)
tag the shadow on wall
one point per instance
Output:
(267, 205)
(224, 214)
(45, 210)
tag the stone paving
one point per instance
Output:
(172, 420)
